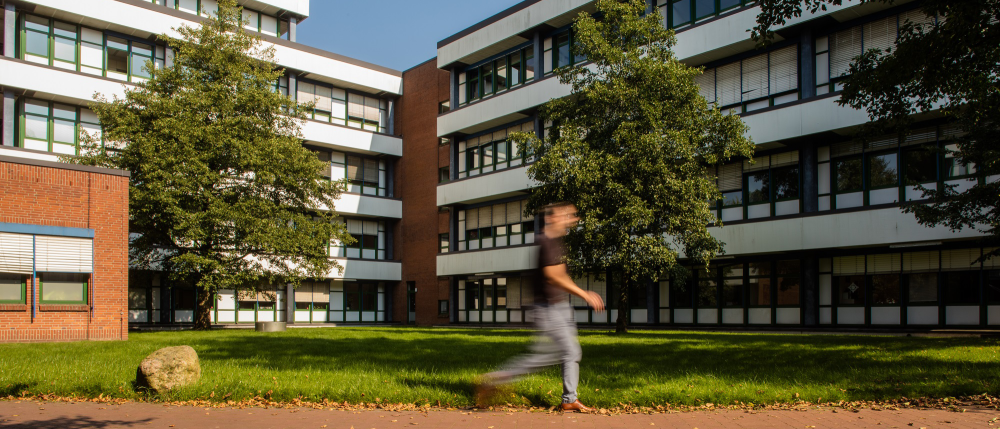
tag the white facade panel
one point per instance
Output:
(759, 316)
(851, 316)
(367, 270)
(298, 7)
(482, 188)
(732, 316)
(122, 17)
(803, 119)
(70, 87)
(369, 206)
(862, 228)
(886, 316)
(487, 261)
(351, 139)
(501, 109)
(788, 316)
(961, 315)
(684, 315)
(922, 315)
(708, 315)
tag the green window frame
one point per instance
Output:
(363, 175)
(370, 240)
(8, 282)
(557, 51)
(496, 225)
(680, 13)
(54, 127)
(496, 75)
(882, 170)
(492, 151)
(443, 243)
(60, 285)
(79, 48)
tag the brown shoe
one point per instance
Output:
(576, 406)
(484, 393)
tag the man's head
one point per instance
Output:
(559, 217)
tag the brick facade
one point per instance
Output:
(426, 87)
(55, 194)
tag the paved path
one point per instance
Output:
(61, 415)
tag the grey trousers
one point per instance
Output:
(555, 343)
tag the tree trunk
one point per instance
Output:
(621, 327)
(203, 314)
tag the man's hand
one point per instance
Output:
(594, 301)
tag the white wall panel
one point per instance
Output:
(961, 315)
(803, 119)
(922, 315)
(851, 316)
(788, 316)
(487, 261)
(759, 316)
(883, 227)
(369, 206)
(351, 139)
(886, 316)
(708, 315)
(825, 316)
(683, 315)
(367, 270)
(482, 188)
(732, 316)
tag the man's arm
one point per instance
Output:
(558, 276)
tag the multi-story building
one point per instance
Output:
(813, 229)
(58, 53)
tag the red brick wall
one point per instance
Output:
(426, 86)
(54, 195)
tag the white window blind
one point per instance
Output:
(921, 21)
(731, 177)
(371, 171)
(706, 85)
(921, 261)
(321, 292)
(728, 84)
(305, 92)
(785, 158)
(514, 211)
(500, 214)
(845, 148)
(64, 254)
(304, 293)
(993, 262)
(15, 253)
(784, 69)
(269, 25)
(251, 19)
(848, 265)
(880, 34)
(923, 135)
(472, 219)
(959, 259)
(844, 46)
(485, 217)
(759, 163)
(754, 77)
(354, 227)
(885, 263)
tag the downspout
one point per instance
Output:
(34, 280)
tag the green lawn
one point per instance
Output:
(408, 365)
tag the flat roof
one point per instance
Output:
(503, 14)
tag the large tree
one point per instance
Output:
(951, 68)
(630, 149)
(222, 194)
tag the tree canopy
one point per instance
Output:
(630, 148)
(222, 195)
(950, 67)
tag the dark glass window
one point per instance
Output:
(708, 291)
(369, 296)
(848, 175)
(882, 170)
(444, 174)
(759, 284)
(789, 274)
(352, 296)
(726, 4)
(850, 290)
(515, 68)
(563, 54)
(472, 296)
(922, 287)
(758, 187)
(681, 12)
(885, 289)
(704, 8)
(786, 183)
(961, 287)
(442, 307)
(680, 293)
(993, 285)
(733, 198)
(920, 166)
(732, 286)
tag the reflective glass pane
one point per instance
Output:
(65, 49)
(726, 4)
(704, 8)
(142, 49)
(786, 183)
(63, 29)
(885, 289)
(733, 198)
(759, 292)
(117, 61)
(32, 22)
(758, 187)
(882, 170)
(922, 287)
(63, 131)
(117, 43)
(681, 12)
(37, 43)
(848, 175)
(10, 287)
(36, 127)
(850, 290)
(36, 107)
(562, 58)
(920, 166)
(64, 111)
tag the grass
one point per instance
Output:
(411, 365)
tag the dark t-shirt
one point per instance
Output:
(550, 252)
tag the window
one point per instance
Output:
(836, 52)
(59, 288)
(732, 286)
(369, 240)
(444, 141)
(13, 288)
(497, 225)
(769, 187)
(883, 170)
(313, 296)
(364, 175)
(850, 290)
(885, 289)
(681, 292)
(757, 82)
(708, 289)
(69, 46)
(922, 287)
(759, 284)
(444, 106)
(442, 307)
(444, 175)
(920, 165)
(678, 13)
(443, 245)
(788, 282)
(557, 51)
(495, 75)
(259, 22)
(341, 107)
(55, 127)
(491, 151)
(961, 287)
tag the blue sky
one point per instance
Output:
(398, 34)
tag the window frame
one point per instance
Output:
(24, 289)
(85, 285)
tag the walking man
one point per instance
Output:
(556, 341)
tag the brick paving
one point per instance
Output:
(62, 415)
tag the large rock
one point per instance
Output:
(169, 368)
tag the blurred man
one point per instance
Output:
(556, 341)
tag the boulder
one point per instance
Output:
(169, 368)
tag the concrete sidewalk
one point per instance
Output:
(63, 415)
